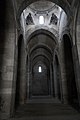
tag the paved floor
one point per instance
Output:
(74, 117)
(46, 111)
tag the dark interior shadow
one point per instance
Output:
(70, 75)
(18, 71)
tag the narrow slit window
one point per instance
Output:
(40, 69)
(41, 20)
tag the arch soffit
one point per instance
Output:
(41, 55)
(40, 31)
(41, 46)
(35, 61)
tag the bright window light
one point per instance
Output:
(40, 69)
(60, 9)
(41, 20)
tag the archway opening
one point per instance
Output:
(40, 80)
(41, 45)
(70, 73)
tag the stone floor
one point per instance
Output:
(46, 110)
(63, 117)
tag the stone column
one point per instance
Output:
(51, 81)
(23, 81)
(28, 78)
(55, 80)
(63, 73)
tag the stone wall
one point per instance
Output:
(77, 50)
(40, 80)
(7, 52)
(75, 31)
(78, 33)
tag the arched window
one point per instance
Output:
(41, 20)
(40, 69)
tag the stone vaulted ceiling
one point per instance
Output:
(20, 5)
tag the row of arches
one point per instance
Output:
(49, 81)
(21, 62)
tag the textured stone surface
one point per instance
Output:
(16, 65)
(7, 56)
(48, 111)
